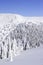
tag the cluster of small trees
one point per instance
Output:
(29, 35)
(23, 36)
(6, 42)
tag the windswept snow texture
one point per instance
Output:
(17, 34)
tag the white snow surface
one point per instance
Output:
(15, 18)
(29, 57)
(32, 56)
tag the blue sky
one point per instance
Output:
(22, 7)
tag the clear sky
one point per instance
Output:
(22, 7)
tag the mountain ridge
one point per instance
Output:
(19, 18)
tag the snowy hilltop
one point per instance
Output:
(19, 33)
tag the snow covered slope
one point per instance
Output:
(29, 57)
(15, 18)
(10, 18)
(18, 33)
